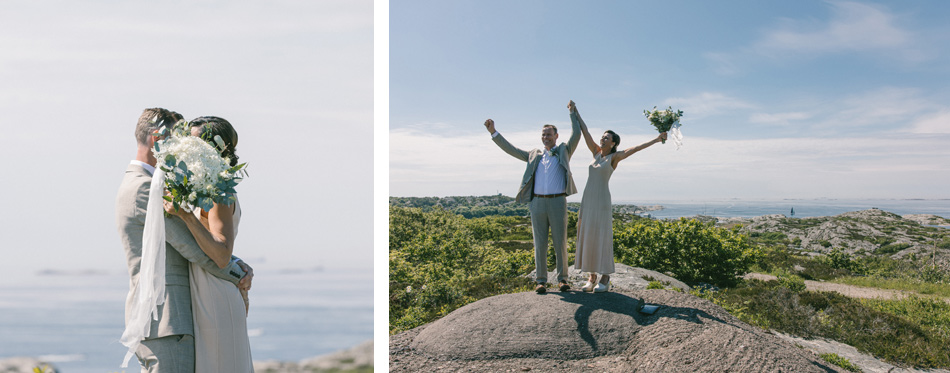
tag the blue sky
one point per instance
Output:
(295, 79)
(804, 99)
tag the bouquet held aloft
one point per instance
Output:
(667, 120)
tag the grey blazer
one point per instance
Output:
(174, 317)
(563, 151)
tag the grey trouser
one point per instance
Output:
(171, 354)
(549, 214)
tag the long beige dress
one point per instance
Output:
(221, 342)
(595, 233)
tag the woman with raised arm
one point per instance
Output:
(595, 240)
(219, 308)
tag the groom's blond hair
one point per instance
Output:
(151, 120)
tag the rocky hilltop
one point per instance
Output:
(574, 331)
(865, 232)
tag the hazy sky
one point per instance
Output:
(782, 99)
(294, 78)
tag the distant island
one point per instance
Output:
(497, 205)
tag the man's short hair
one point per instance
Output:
(151, 120)
(551, 126)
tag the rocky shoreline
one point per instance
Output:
(354, 359)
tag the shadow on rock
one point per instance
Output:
(568, 325)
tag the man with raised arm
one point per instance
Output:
(546, 183)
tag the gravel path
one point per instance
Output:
(845, 289)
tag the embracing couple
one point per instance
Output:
(200, 323)
(547, 182)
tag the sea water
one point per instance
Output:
(75, 320)
(804, 208)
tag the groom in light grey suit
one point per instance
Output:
(546, 183)
(170, 345)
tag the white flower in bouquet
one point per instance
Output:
(196, 173)
(667, 120)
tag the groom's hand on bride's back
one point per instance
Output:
(245, 283)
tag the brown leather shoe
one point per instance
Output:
(541, 289)
(564, 286)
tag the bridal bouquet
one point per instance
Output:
(666, 120)
(196, 175)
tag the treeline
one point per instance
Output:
(467, 206)
(497, 205)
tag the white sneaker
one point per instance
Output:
(601, 288)
(587, 287)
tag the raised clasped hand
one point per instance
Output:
(490, 125)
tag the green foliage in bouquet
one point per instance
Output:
(663, 119)
(692, 251)
(195, 172)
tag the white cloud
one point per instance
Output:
(707, 104)
(850, 28)
(779, 118)
(853, 27)
(897, 166)
(881, 110)
(935, 123)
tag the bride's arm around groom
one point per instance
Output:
(170, 336)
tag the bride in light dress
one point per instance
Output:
(219, 307)
(595, 241)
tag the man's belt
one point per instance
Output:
(550, 195)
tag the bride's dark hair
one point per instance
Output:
(616, 138)
(216, 126)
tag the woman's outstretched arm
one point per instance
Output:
(621, 155)
(217, 238)
(575, 115)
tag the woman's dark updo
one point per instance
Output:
(210, 127)
(616, 138)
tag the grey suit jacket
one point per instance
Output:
(563, 151)
(174, 317)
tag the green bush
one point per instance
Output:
(838, 259)
(777, 260)
(792, 282)
(436, 266)
(693, 252)
(770, 238)
(840, 361)
(891, 248)
(655, 285)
